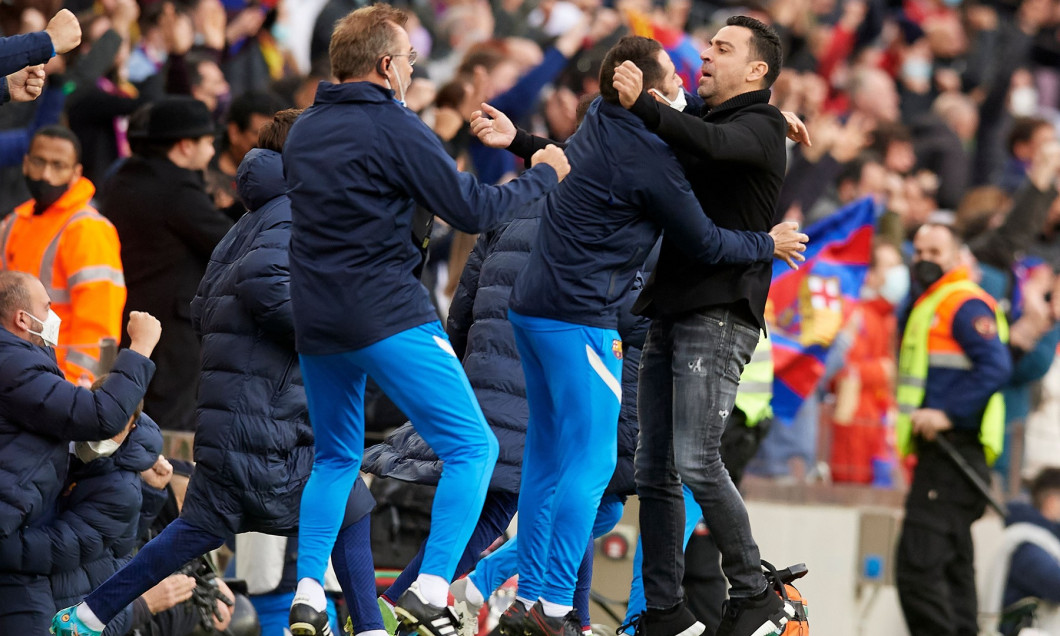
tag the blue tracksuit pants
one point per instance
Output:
(422, 376)
(574, 391)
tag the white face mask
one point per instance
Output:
(401, 85)
(895, 286)
(88, 451)
(49, 331)
(1024, 101)
(678, 102)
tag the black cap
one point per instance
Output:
(171, 118)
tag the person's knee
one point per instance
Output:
(699, 468)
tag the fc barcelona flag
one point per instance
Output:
(807, 307)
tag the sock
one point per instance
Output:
(373, 632)
(527, 603)
(434, 589)
(555, 610)
(85, 615)
(311, 592)
(473, 594)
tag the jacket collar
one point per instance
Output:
(75, 198)
(740, 101)
(347, 92)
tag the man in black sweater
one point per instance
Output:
(706, 323)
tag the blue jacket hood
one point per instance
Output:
(260, 177)
(1020, 512)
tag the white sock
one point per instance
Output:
(311, 592)
(527, 603)
(473, 594)
(373, 632)
(555, 609)
(86, 616)
(434, 589)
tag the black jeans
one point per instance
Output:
(690, 370)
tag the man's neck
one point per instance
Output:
(372, 79)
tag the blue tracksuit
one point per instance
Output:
(357, 163)
(598, 226)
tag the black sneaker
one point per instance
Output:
(759, 615)
(515, 621)
(415, 613)
(306, 621)
(540, 624)
(676, 621)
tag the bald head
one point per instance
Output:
(937, 244)
(24, 303)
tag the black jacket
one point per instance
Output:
(734, 157)
(168, 227)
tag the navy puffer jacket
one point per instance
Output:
(482, 337)
(41, 413)
(254, 443)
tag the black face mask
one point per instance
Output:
(926, 273)
(44, 193)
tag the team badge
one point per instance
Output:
(985, 326)
(616, 348)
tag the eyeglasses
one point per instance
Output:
(412, 55)
(41, 163)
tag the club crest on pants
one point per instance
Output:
(616, 348)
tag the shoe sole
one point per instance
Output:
(413, 623)
(694, 629)
(776, 623)
(303, 629)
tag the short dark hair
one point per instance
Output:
(252, 103)
(1047, 481)
(273, 135)
(361, 38)
(14, 293)
(98, 383)
(55, 131)
(1023, 128)
(644, 52)
(851, 170)
(192, 62)
(765, 45)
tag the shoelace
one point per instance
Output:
(634, 623)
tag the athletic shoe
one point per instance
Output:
(541, 624)
(66, 623)
(760, 615)
(306, 621)
(676, 621)
(415, 613)
(466, 611)
(515, 621)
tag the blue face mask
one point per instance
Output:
(895, 284)
(282, 34)
(916, 70)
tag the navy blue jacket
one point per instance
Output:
(41, 413)
(254, 443)
(357, 164)
(625, 186)
(1032, 571)
(482, 337)
(20, 51)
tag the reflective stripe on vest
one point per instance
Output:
(83, 360)
(5, 232)
(47, 263)
(914, 360)
(755, 394)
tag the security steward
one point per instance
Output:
(61, 239)
(952, 363)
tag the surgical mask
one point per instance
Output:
(926, 273)
(678, 102)
(1024, 101)
(401, 86)
(916, 69)
(49, 331)
(282, 34)
(88, 451)
(895, 284)
(44, 193)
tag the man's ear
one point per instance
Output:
(758, 70)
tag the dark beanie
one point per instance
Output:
(171, 118)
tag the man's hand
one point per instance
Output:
(222, 618)
(629, 82)
(927, 423)
(494, 131)
(797, 130)
(553, 156)
(789, 243)
(27, 84)
(158, 476)
(65, 31)
(173, 590)
(144, 332)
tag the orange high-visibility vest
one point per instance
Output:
(75, 252)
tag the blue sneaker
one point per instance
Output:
(66, 623)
